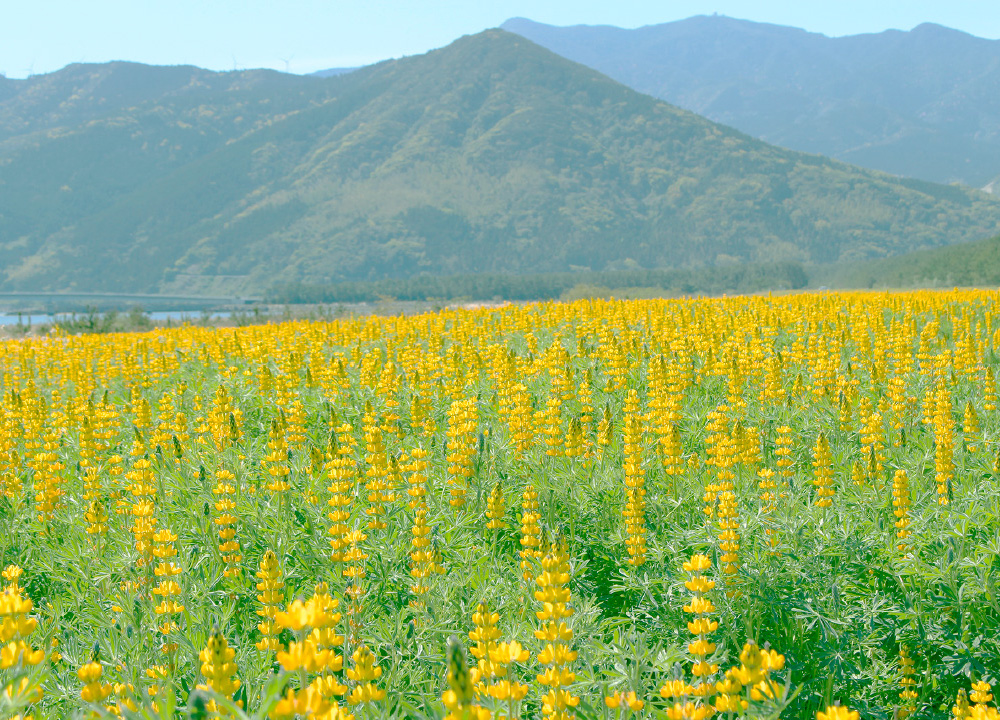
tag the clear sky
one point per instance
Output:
(38, 36)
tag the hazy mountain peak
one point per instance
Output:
(923, 103)
(933, 29)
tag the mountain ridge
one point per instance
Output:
(43, 98)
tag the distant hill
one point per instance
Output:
(975, 264)
(490, 155)
(923, 103)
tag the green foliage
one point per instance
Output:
(95, 321)
(975, 264)
(491, 156)
(485, 286)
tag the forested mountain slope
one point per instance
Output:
(490, 155)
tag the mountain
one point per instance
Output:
(923, 103)
(490, 155)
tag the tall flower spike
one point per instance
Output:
(989, 391)
(462, 421)
(635, 488)
(944, 462)
(768, 503)
(574, 439)
(495, 509)
(422, 561)
(144, 524)
(12, 575)
(48, 477)
(225, 521)
(520, 421)
(701, 625)
(505, 687)
(354, 563)
(823, 464)
(981, 694)
(218, 666)
(16, 625)
(531, 532)
(327, 640)
(557, 655)
(97, 518)
(754, 671)
(275, 463)
(355, 572)
(901, 508)
(671, 452)
(724, 445)
(550, 419)
(858, 474)
(270, 598)
(168, 590)
(93, 691)
(783, 451)
(376, 476)
(971, 427)
(625, 702)
(484, 637)
(961, 709)
(417, 467)
(364, 673)
(311, 652)
(605, 428)
(459, 697)
(908, 693)
(342, 474)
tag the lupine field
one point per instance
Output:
(749, 507)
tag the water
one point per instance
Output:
(25, 319)
(159, 316)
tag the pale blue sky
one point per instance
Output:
(39, 36)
